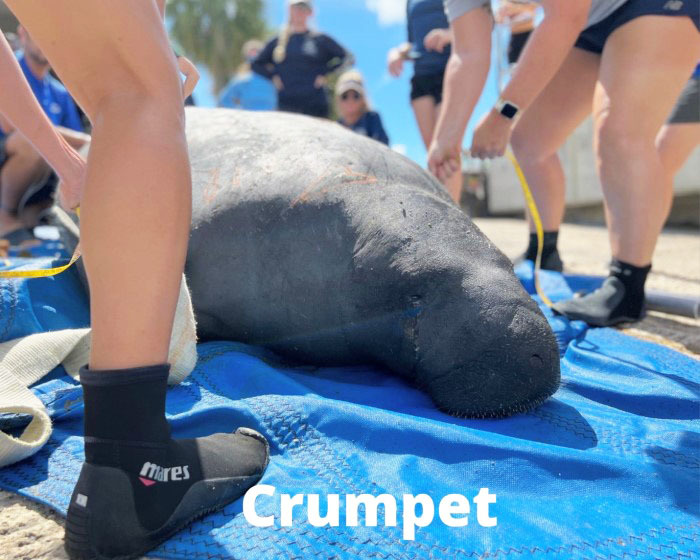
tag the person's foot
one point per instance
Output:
(550, 261)
(550, 254)
(138, 486)
(609, 305)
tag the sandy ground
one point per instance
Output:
(30, 531)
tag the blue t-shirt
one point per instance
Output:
(696, 74)
(53, 98)
(370, 125)
(423, 16)
(249, 91)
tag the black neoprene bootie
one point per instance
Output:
(619, 300)
(138, 486)
(550, 254)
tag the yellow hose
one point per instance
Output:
(535, 215)
(42, 273)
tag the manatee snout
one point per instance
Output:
(513, 371)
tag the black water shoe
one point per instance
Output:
(138, 486)
(619, 300)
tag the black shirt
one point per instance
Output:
(308, 55)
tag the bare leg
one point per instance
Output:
(637, 87)
(115, 59)
(675, 143)
(23, 166)
(117, 62)
(639, 83)
(424, 108)
(545, 126)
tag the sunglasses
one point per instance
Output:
(351, 95)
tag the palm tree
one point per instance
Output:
(212, 32)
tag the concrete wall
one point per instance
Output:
(582, 184)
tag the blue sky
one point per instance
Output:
(369, 28)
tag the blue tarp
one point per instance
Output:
(607, 468)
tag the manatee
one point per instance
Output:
(330, 249)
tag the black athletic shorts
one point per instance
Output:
(687, 109)
(427, 85)
(593, 38)
(516, 45)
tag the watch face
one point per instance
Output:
(509, 110)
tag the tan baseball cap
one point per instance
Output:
(351, 80)
(307, 3)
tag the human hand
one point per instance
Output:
(191, 76)
(437, 39)
(319, 82)
(70, 189)
(395, 62)
(443, 160)
(491, 136)
(505, 12)
(277, 82)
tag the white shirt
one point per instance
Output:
(600, 9)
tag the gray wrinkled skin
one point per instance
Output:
(330, 249)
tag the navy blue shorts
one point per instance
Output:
(687, 109)
(427, 85)
(594, 37)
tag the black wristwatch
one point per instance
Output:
(506, 108)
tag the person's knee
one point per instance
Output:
(527, 147)
(142, 109)
(619, 136)
(147, 105)
(665, 146)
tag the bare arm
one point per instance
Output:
(75, 138)
(403, 49)
(23, 113)
(437, 39)
(548, 47)
(183, 63)
(396, 58)
(465, 75)
(546, 50)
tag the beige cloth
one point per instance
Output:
(25, 361)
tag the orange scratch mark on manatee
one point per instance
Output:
(304, 196)
(358, 178)
(355, 177)
(213, 186)
(236, 179)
